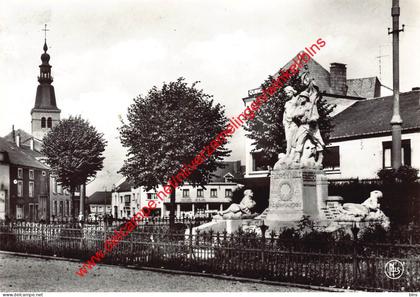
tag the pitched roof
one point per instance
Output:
(372, 117)
(19, 156)
(359, 87)
(99, 197)
(125, 186)
(25, 138)
(368, 87)
(232, 167)
(316, 71)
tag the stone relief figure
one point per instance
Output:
(369, 210)
(309, 154)
(241, 210)
(306, 117)
(300, 120)
(289, 125)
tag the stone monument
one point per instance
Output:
(298, 185)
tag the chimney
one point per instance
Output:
(13, 132)
(235, 167)
(31, 143)
(17, 140)
(338, 78)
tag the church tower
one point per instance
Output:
(45, 113)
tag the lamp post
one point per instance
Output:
(396, 120)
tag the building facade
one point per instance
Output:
(190, 201)
(99, 204)
(26, 191)
(44, 116)
(335, 88)
(361, 140)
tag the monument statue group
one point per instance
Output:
(298, 185)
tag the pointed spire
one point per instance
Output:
(45, 95)
(45, 46)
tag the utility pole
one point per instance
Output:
(396, 121)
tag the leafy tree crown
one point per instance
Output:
(74, 151)
(167, 128)
(267, 130)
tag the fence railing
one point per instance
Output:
(341, 264)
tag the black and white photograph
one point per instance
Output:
(161, 147)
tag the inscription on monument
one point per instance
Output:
(309, 178)
(290, 205)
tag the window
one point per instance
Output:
(55, 208)
(151, 196)
(200, 193)
(20, 173)
(54, 185)
(61, 210)
(66, 206)
(20, 188)
(185, 193)
(213, 193)
(44, 173)
(387, 153)
(31, 189)
(127, 198)
(228, 193)
(49, 123)
(31, 174)
(19, 211)
(43, 122)
(332, 158)
(259, 162)
(59, 188)
(31, 211)
(36, 210)
(121, 199)
(228, 177)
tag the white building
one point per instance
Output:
(99, 203)
(361, 140)
(344, 93)
(127, 200)
(360, 143)
(190, 201)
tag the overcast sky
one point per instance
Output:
(104, 53)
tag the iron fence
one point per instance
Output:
(341, 264)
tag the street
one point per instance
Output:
(18, 273)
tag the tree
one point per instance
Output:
(267, 130)
(74, 151)
(167, 128)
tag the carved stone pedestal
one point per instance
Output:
(293, 194)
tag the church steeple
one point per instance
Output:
(45, 67)
(45, 113)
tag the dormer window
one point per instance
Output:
(228, 177)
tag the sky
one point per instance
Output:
(105, 53)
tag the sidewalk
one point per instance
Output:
(20, 273)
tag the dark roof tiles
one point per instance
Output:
(19, 156)
(370, 117)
